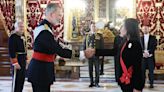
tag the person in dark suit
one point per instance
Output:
(149, 44)
(41, 67)
(93, 40)
(17, 54)
(130, 57)
(101, 60)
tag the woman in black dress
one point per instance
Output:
(130, 76)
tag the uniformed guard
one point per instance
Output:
(41, 67)
(17, 53)
(93, 40)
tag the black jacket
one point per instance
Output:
(94, 40)
(117, 43)
(16, 46)
(152, 43)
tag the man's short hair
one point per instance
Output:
(52, 7)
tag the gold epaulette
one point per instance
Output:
(46, 26)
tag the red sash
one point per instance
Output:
(44, 57)
(127, 74)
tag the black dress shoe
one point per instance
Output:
(97, 85)
(91, 85)
(151, 86)
(101, 73)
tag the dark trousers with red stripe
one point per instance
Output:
(19, 80)
(94, 62)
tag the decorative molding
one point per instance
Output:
(19, 9)
(102, 9)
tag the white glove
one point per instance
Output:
(82, 56)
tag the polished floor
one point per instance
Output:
(81, 85)
(107, 82)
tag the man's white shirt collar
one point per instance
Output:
(146, 35)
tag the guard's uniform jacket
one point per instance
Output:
(41, 67)
(94, 40)
(17, 50)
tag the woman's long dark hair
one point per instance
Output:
(131, 25)
(132, 28)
